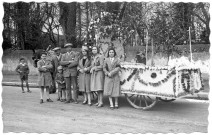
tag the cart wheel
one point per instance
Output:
(166, 99)
(142, 102)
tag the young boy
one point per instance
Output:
(61, 84)
(23, 70)
(44, 76)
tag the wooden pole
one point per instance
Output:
(190, 43)
(58, 37)
(152, 53)
(147, 35)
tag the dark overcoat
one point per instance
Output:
(84, 78)
(55, 63)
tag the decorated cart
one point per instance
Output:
(143, 85)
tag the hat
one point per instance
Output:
(139, 53)
(56, 48)
(59, 67)
(84, 47)
(68, 44)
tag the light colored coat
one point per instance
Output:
(84, 78)
(97, 77)
(69, 69)
(112, 84)
(44, 77)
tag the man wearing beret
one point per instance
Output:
(69, 61)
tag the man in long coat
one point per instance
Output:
(55, 62)
(69, 61)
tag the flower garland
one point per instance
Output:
(200, 74)
(184, 81)
(193, 80)
(187, 77)
(173, 72)
(130, 76)
(174, 85)
(122, 82)
(137, 71)
(133, 83)
(142, 81)
(137, 66)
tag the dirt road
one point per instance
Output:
(24, 113)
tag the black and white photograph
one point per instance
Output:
(105, 67)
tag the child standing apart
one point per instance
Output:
(44, 76)
(61, 84)
(23, 70)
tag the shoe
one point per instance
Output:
(96, 104)
(89, 104)
(29, 91)
(58, 99)
(84, 102)
(41, 101)
(23, 91)
(68, 101)
(100, 105)
(49, 100)
(116, 106)
(71, 100)
(62, 100)
(75, 102)
(111, 107)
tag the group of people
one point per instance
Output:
(93, 73)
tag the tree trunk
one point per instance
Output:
(22, 20)
(113, 7)
(91, 9)
(68, 21)
(87, 20)
(79, 20)
(122, 11)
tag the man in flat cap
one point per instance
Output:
(140, 57)
(69, 61)
(56, 58)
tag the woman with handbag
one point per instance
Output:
(83, 68)
(97, 75)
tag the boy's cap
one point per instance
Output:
(56, 48)
(60, 67)
(68, 44)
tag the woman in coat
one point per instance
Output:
(44, 76)
(112, 80)
(84, 67)
(97, 75)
